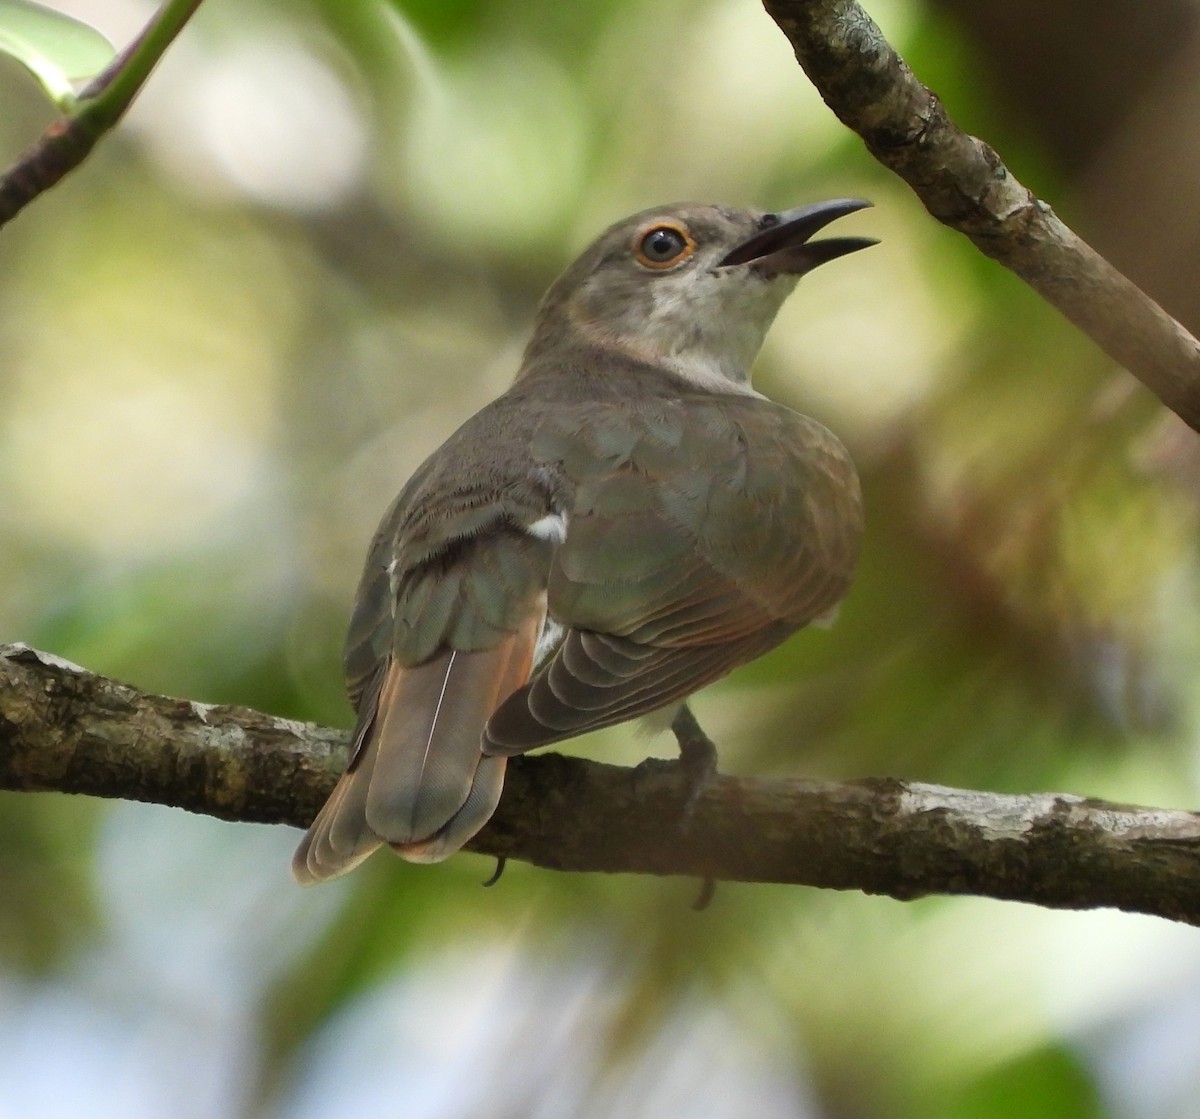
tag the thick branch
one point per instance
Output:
(62, 728)
(964, 184)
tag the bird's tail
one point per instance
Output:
(418, 779)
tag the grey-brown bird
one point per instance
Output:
(626, 524)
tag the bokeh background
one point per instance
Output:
(314, 248)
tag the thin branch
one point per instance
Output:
(964, 184)
(67, 142)
(65, 729)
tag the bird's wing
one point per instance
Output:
(703, 532)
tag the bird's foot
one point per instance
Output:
(690, 774)
(697, 761)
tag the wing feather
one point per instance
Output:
(723, 527)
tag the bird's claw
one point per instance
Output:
(501, 863)
(708, 890)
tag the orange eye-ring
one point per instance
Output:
(663, 246)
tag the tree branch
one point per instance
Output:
(65, 729)
(68, 141)
(965, 185)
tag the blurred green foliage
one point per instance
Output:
(311, 251)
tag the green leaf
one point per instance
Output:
(55, 48)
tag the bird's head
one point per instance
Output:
(690, 287)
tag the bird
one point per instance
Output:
(630, 521)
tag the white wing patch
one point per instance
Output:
(552, 527)
(547, 642)
(393, 583)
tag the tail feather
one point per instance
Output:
(476, 810)
(418, 780)
(338, 839)
(428, 733)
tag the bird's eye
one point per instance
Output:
(663, 246)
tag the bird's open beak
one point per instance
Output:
(783, 246)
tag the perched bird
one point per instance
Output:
(627, 523)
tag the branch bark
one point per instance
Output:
(965, 185)
(63, 728)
